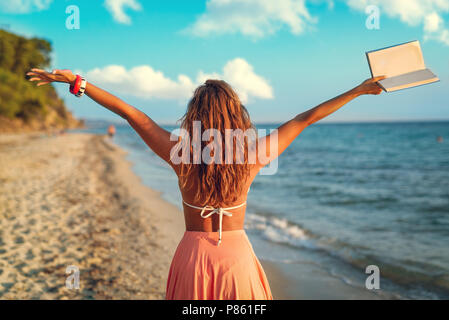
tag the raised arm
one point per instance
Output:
(157, 138)
(288, 131)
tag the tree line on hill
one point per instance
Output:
(23, 106)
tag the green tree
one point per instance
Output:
(18, 97)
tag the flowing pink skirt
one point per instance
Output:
(201, 270)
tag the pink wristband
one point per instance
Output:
(76, 87)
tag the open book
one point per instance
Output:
(403, 65)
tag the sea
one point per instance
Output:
(345, 196)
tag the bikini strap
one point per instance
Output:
(219, 211)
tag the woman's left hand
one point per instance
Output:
(45, 77)
(370, 86)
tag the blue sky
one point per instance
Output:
(283, 57)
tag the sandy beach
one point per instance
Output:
(72, 200)
(66, 200)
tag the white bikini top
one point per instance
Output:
(219, 211)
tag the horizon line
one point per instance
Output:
(121, 121)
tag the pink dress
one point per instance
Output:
(216, 266)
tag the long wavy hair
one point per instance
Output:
(216, 106)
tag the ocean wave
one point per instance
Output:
(405, 274)
(279, 230)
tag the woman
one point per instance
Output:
(111, 131)
(214, 259)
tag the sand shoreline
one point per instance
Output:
(66, 201)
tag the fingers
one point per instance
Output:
(376, 79)
(39, 73)
(41, 76)
(62, 72)
(45, 77)
(378, 90)
(35, 75)
(42, 81)
(38, 70)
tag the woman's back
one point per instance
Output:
(195, 222)
(214, 169)
(215, 259)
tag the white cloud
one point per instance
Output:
(24, 6)
(117, 9)
(428, 13)
(433, 22)
(240, 74)
(145, 82)
(255, 18)
(142, 81)
(258, 18)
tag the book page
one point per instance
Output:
(396, 60)
(408, 78)
(412, 85)
(413, 79)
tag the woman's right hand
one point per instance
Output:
(45, 77)
(370, 86)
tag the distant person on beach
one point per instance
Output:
(214, 259)
(111, 131)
